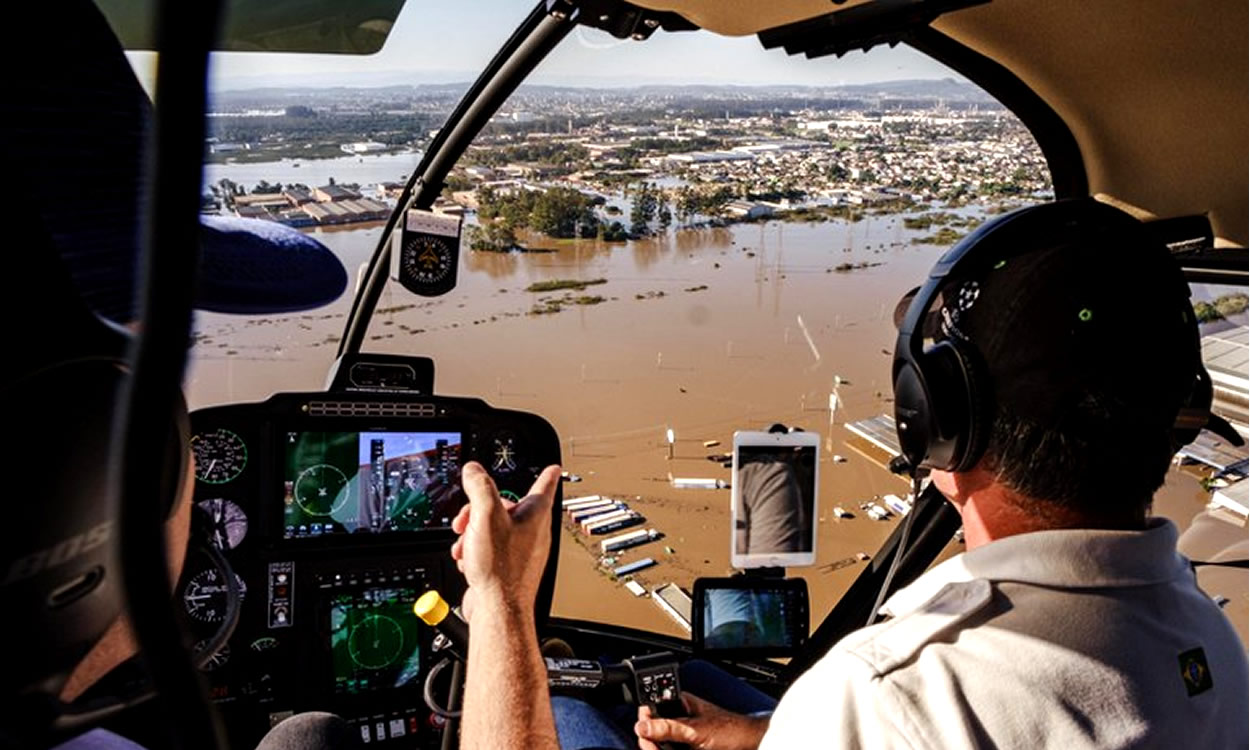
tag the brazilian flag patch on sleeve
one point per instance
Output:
(1195, 672)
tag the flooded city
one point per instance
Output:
(702, 331)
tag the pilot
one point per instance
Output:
(1070, 621)
(311, 730)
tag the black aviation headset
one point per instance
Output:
(943, 403)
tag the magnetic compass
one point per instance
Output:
(425, 253)
(427, 259)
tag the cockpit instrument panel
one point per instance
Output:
(335, 512)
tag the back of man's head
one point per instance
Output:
(1085, 348)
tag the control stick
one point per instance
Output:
(434, 611)
(652, 679)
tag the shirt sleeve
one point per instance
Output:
(838, 703)
(773, 503)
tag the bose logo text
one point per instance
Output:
(58, 554)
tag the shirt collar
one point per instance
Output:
(1061, 558)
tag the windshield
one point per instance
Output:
(665, 243)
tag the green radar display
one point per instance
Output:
(374, 640)
(321, 490)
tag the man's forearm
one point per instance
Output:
(506, 703)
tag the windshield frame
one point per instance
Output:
(538, 34)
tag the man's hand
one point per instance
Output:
(503, 545)
(708, 727)
(501, 551)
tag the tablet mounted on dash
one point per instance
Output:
(773, 499)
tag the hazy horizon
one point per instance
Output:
(376, 82)
(439, 45)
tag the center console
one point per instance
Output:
(335, 513)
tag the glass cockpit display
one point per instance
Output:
(370, 482)
(745, 615)
(374, 640)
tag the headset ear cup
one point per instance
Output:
(913, 417)
(943, 372)
(952, 377)
(980, 412)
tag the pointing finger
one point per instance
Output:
(541, 495)
(547, 482)
(483, 495)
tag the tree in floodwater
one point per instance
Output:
(564, 212)
(646, 201)
(664, 213)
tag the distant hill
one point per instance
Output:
(941, 88)
(948, 89)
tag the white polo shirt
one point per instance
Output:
(1066, 639)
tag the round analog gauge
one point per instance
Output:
(427, 259)
(220, 456)
(266, 643)
(205, 596)
(321, 490)
(217, 660)
(228, 523)
(375, 642)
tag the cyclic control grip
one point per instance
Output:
(434, 611)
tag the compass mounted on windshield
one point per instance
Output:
(425, 253)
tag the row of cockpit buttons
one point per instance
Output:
(370, 577)
(382, 728)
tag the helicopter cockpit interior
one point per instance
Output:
(322, 514)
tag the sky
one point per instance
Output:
(445, 43)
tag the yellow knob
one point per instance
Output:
(431, 608)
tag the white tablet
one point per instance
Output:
(773, 500)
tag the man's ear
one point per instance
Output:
(958, 486)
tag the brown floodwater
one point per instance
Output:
(705, 332)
